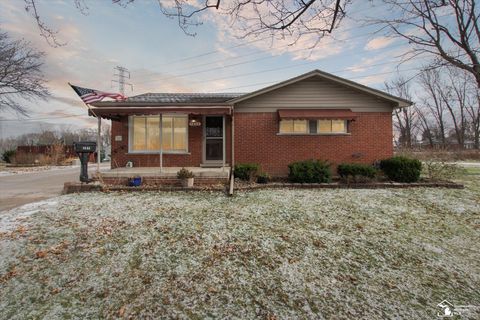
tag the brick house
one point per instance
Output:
(315, 115)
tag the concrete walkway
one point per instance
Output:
(19, 189)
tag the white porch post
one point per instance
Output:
(99, 142)
(161, 143)
(224, 144)
(232, 153)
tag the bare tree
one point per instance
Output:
(20, 74)
(447, 29)
(454, 93)
(430, 82)
(405, 119)
(47, 32)
(292, 18)
(473, 110)
(425, 124)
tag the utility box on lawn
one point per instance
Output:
(83, 150)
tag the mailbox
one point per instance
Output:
(83, 150)
(87, 146)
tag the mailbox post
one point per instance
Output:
(83, 150)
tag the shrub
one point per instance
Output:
(401, 169)
(263, 178)
(56, 154)
(25, 158)
(356, 171)
(246, 171)
(310, 171)
(8, 155)
(185, 174)
(440, 170)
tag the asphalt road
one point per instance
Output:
(20, 189)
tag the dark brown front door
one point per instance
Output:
(214, 138)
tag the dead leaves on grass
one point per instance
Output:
(55, 250)
(9, 275)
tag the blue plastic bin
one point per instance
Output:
(135, 182)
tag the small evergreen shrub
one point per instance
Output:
(401, 169)
(356, 171)
(246, 171)
(263, 177)
(310, 171)
(8, 155)
(185, 174)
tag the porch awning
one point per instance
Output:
(117, 112)
(346, 114)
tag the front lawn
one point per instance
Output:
(268, 254)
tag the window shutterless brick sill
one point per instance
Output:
(313, 134)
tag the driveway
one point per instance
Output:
(20, 189)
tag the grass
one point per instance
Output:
(268, 254)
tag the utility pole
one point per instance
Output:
(122, 74)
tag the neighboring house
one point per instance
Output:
(43, 154)
(315, 115)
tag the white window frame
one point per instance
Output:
(130, 135)
(318, 133)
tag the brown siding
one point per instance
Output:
(315, 93)
(120, 155)
(256, 140)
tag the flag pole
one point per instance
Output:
(99, 120)
(99, 143)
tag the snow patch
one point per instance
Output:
(10, 219)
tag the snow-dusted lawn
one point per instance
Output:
(269, 254)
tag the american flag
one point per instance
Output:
(90, 95)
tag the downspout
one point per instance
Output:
(232, 148)
(99, 141)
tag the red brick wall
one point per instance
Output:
(256, 140)
(120, 154)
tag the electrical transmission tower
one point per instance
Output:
(122, 74)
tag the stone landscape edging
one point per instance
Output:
(72, 187)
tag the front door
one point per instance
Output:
(214, 138)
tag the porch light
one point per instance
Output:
(194, 123)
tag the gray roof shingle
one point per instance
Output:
(184, 97)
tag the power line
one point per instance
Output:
(249, 54)
(253, 41)
(242, 63)
(358, 77)
(49, 118)
(286, 67)
(122, 75)
(269, 56)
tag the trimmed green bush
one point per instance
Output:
(246, 171)
(310, 171)
(8, 155)
(263, 177)
(356, 171)
(401, 169)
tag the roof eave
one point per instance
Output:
(155, 104)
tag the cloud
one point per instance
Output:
(378, 43)
(299, 45)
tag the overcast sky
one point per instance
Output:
(162, 58)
